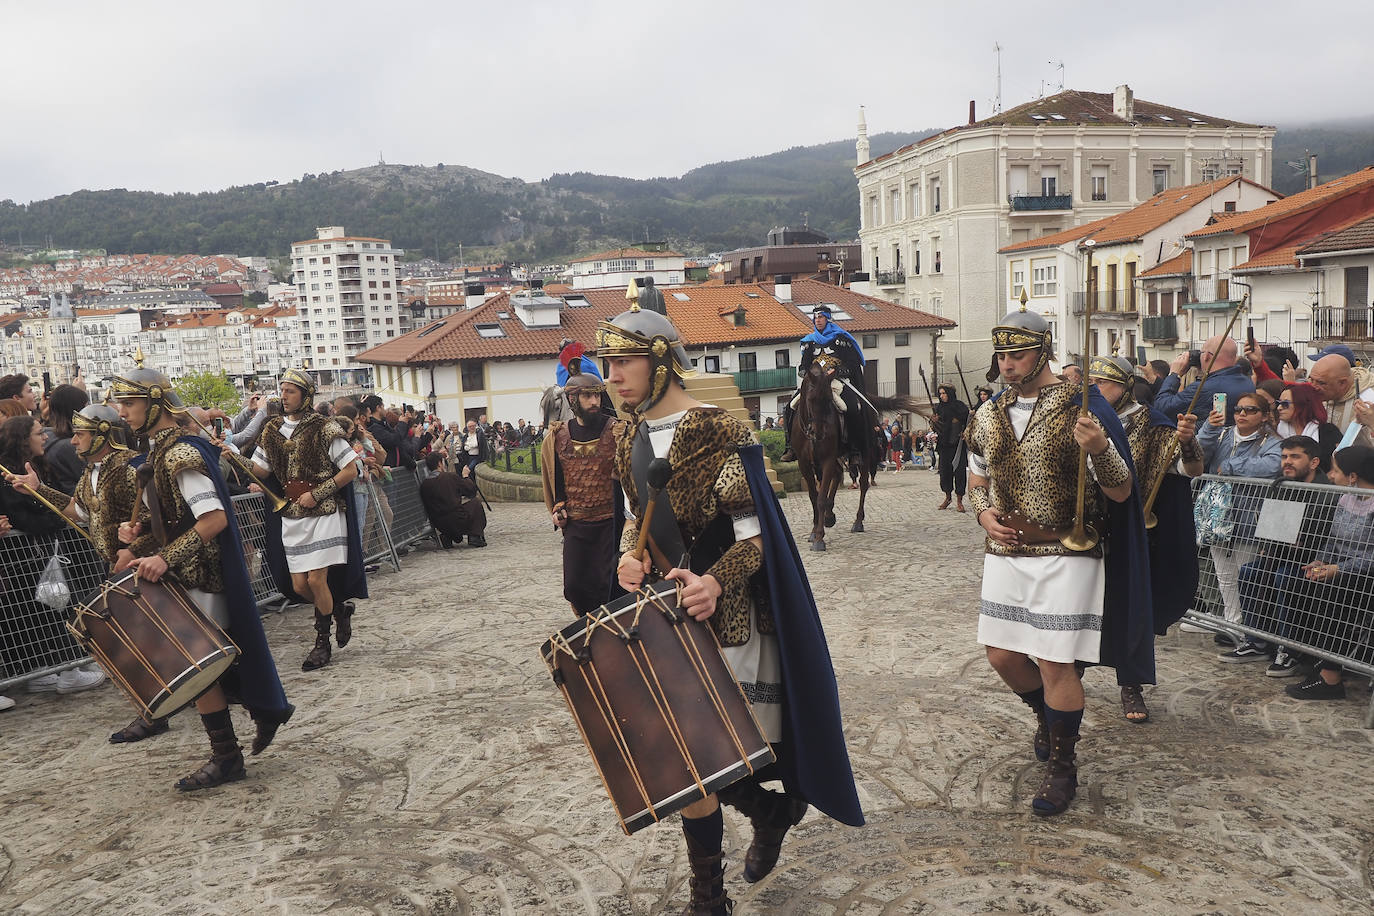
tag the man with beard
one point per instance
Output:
(1173, 566)
(1046, 606)
(577, 459)
(312, 460)
(951, 419)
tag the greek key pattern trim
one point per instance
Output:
(1058, 622)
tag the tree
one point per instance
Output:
(208, 389)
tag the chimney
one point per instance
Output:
(859, 283)
(782, 287)
(1312, 180)
(1123, 103)
(972, 111)
(474, 294)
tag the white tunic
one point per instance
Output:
(1046, 607)
(320, 541)
(199, 492)
(756, 664)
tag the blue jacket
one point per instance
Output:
(1258, 457)
(1232, 381)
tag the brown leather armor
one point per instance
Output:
(1149, 445)
(110, 502)
(302, 462)
(587, 468)
(195, 563)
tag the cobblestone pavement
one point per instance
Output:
(433, 768)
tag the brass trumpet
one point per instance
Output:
(1151, 520)
(1083, 537)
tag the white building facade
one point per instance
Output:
(615, 269)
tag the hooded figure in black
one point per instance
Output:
(951, 419)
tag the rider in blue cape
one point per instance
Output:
(847, 386)
(720, 522)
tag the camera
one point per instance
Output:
(1194, 359)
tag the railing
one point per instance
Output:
(1338, 322)
(1161, 327)
(1107, 301)
(1021, 203)
(891, 277)
(1284, 563)
(753, 380)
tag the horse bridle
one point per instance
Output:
(829, 365)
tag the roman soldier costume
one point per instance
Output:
(304, 452)
(719, 516)
(577, 460)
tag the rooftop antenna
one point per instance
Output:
(1058, 65)
(997, 101)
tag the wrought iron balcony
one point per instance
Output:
(766, 380)
(1108, 302)
(891, 277)
(1021, 203)
(1338, 322)
(1160, 327)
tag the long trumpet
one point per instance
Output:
(1151, 520)
(10, 475)
(1084, 537)
(277, 501)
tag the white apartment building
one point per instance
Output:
(347, 291)
(615, 269)
(105, 342)
(934, 214)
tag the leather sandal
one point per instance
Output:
(216, 772)
(343, 623)
(139, 729)
(1133, 705)
(945, 504)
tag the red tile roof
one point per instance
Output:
(1134, 223)
(1297, 203)
(1287, 255)
(879, 315)
(1174, 267)
(1358, 236)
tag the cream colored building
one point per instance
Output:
(934, 214)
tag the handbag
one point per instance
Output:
(1212, 514)
(52, 589)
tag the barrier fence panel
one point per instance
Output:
(250, 509)
(1288, 564)
(374, 520)
(409, 523)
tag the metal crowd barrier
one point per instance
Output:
(1264, 549)
(33, 636)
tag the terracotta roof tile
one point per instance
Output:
(1287, 255)
(867, 313)
(1358, 236)
(1174, 267)
(1303, 200)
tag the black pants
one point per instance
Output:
(952, 479)
(588, 563)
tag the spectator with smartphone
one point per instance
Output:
(1226, 377)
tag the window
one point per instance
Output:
(1099, 182)
(648, 263)
(473, 379)
(873, 214)
(748, 362)
(1018, 278)
(1049, 181)
(897, 257)
(324, 260)
(935, 195)
(713, 364)
(1209, 173)
(783, 358)
(1044, 278)
(870, 341)
(913, 196)
(915, 259)
(1229, 206)
(896, 209)
(937, 260)
(1161, 179)
(902, 339)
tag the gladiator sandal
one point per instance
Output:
(707, 883)
(343, 616)
(139, 729)
(1060, 784)
(267, 729)
(226, 759)
(769, 830)
(319, 656)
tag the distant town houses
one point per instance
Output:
(78, 274)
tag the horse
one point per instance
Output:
(816, 429)
(553, 406)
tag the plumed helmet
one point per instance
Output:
(302, 381)
(639, 333)
(569, 355)
(150, 384)
(1018, 332)
(104, 425)
(1113, 369)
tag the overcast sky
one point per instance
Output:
(191, 96)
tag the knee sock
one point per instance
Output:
(706, 833)
(1073, 720)
(215, 721)
(1035, 699)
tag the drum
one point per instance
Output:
(657, 705)
(153, 641)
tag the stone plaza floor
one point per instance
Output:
(434, 769)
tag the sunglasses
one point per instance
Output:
(1248, 409)
(1285, 403)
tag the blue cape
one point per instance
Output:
(347, 580)
(827, 337)
(253, 679)
(588, 368)
(815, 761)
(1173, 562)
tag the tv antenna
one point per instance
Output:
(1058, 65)
(997, 100)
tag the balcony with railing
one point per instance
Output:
(1340, 322)
(1111, 302)
(1159, 327)
(754, 380)
(891, 277)
(1037, 203)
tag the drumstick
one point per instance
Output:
(660, 472)
(10, 475)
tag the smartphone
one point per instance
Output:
(218, 425)
(1250, 337)
(1219, 403)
